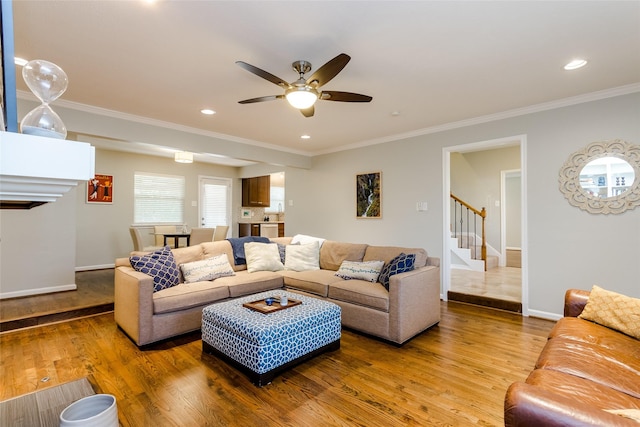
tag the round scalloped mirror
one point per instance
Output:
(604, 177)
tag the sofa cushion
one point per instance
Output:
(262, 257)
(302, 257)
(210, 249)
(613, 310)
(188, 254)
(387, 253)
(187, 295)
(333, 253)
(312, 281)
(577, 329)
(366, 270)
(400, 264)
(610, 368)
(245, 283)
(580, 389)
(160, 265)
(207, 269)
(360, 292)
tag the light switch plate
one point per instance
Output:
(422, 206)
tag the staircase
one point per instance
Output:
(468, 249)
(467, 255)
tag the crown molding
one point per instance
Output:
(545, 106)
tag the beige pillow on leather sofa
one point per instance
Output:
(613, 310)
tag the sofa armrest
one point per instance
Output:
(574, 302)
(414, 302)
(133, 303)
(434, 261)
(526, 405)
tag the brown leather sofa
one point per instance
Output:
(584, 371)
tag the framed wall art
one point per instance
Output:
(369, 195)
(100, 189)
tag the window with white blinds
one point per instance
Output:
(215, 201)
(158, 198)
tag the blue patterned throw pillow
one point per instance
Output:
(160, 265)
(400, 264)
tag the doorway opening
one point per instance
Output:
(491, 175)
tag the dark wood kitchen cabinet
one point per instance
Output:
(256, 192)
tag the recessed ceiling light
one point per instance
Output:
(305, 137)
(207, 112)
(575, 64)
(19, 61)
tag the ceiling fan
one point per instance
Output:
(303, 93)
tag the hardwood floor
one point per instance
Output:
(454, 374)
(501, 283)
(94, 294)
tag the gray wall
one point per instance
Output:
(567, 247)
(109, 224)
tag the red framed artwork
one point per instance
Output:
(100, 189)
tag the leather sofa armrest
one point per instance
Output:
(526, 405)
(574, 302)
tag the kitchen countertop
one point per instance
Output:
(260, 222)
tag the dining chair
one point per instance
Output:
(138, 241)
(201, 235)
(159, 230)
(220, 233)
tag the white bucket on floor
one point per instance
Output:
(98, 410)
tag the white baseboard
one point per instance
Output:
(545, 315)
(95, 267)
(40, 291)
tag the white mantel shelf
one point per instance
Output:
(38, 169)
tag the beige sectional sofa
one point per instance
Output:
(411, 305)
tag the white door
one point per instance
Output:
(215, 201)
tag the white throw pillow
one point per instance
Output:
(366, 270)
(303, 239)
(302, 257)
(262, 257)
(207, 269)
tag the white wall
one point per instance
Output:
(567, 247)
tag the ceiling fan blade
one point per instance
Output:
(261, 99)
(308, 112)
(264, 74)
(332, 95)
(329, 70)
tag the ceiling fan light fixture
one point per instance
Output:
(301, 97)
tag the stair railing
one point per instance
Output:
(466, 217)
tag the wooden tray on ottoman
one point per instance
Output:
(262, 307)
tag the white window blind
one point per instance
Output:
(158, 198)
(215, 199)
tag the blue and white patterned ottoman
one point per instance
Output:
(263, 345)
